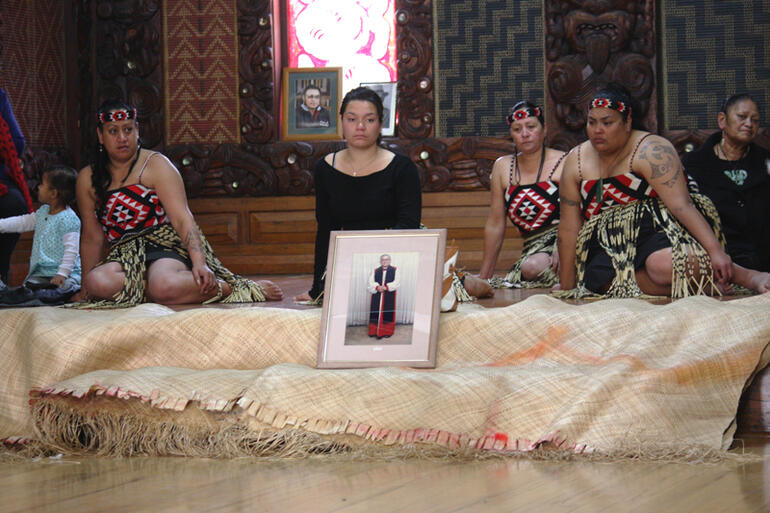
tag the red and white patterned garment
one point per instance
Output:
(616, 190)
(534, 206)
(131, 209)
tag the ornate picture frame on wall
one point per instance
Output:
(381, 299)
(387, 92)
(310, 98)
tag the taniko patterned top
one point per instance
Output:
(615, 190)
(534, 206)
(132, 209)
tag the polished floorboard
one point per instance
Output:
(68, 484)
(317, 485)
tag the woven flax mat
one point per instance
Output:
(610, 377)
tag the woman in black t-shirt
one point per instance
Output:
(364, 186)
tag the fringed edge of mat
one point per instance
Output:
(101, 423)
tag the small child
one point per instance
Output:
(54, 264)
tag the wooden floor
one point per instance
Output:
(320, 485)
(499, 485)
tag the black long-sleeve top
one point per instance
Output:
(743, 202)
(390, 198)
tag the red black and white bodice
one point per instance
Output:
(533, 207)
(131, 209)
(615, 190)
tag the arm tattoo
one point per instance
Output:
(569, 202)
(671, 182)
(663, 160)
(193, 241)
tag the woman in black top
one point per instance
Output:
(733, 171)
(363, 187)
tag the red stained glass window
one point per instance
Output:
(357, 35)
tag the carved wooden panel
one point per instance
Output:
(258, 60)
(588, 44)
(126, 45)
(414, 48)
(36, 160)
(285, 168)
(256, 71)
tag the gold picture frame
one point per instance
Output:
(310, 99)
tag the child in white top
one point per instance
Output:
(54, 260)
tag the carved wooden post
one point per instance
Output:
(588, 44)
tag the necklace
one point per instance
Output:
(539, 169)
(131, 169)
(721, 149)
(600, 182)
(361, 168)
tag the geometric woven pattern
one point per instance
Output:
(33, 68)
(201, 71)
(132, 208)
(489, 55)
(714, 48)
(532, 205)
(616, 190)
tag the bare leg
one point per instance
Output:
(105, 281)
(171, 282)
(655, 277)
(535, 264)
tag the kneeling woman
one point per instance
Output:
(525, 187)
(135, 199)
(628, 220)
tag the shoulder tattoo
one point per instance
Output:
(664, 162)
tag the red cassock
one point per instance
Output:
(382, 312)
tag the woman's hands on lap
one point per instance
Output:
(204, 278)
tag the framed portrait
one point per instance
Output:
(382, 298)
(387, 92)
(310, 99)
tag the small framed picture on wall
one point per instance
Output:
(310, 98)
(387, 92)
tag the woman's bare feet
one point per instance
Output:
(272, 291)
(759, 282)
(303, 297)
(751, 279)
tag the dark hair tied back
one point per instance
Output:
(732, 100)
(366, 95)
(619, 95)
(525, 109)
(100, 175)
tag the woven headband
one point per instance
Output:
(523, 113)
(602, 101)
(116, 115)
